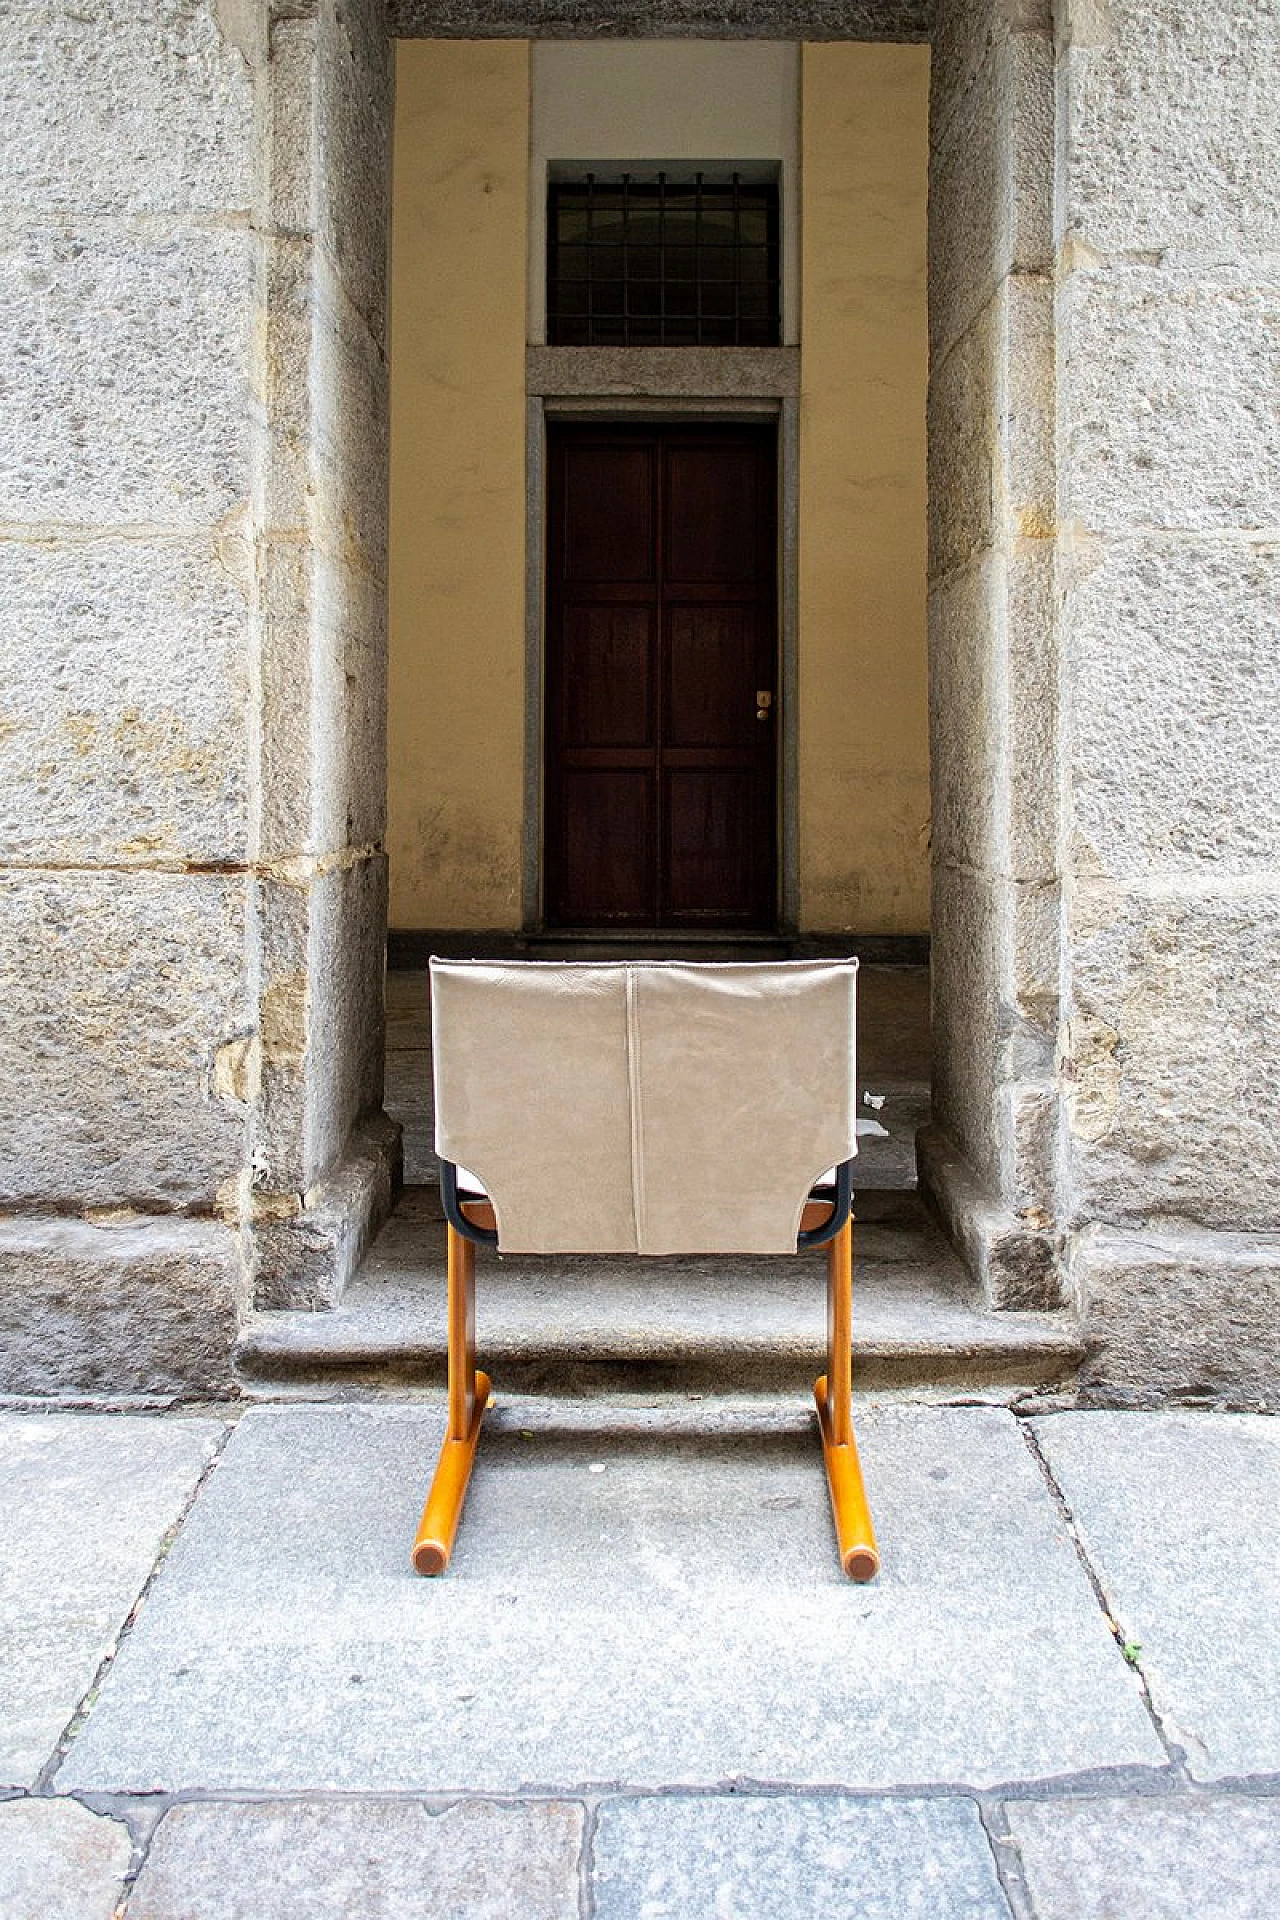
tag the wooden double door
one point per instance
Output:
(661, 677)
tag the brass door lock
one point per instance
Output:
(764, 700)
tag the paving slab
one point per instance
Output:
(1215, 1855)
(806, 1857)
(86, 1502)
(626, 1606)
(1180, 1516)
(58, 1861)
(362, 1860)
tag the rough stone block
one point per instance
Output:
(965, 965)
(122, 1307)
(962, 34)
(123, 718)
(1169, 1057)
(126, 369)
(1009, 1255)
(58, 1861)
(963, 444)
(1032, 641)
(348, 501)
(347, 966)
(1168, 397)
(990, 184)
(119, 991)
(1179, 1314)
(1170, 650)
(363, 1858)
(350, 633)
(1028, 478)
(964, 736)
(728, 1854)
(87, 1502)
(124, 109)
(1173, 123)
(1179, 1516)
(353, 152)
(306, 1258)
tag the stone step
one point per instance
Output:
(590, 1324)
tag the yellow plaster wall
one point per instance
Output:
(863, 661)
(456, 696)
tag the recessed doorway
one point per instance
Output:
(661, 677)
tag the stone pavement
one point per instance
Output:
(643, 1688)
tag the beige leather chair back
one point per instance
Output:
(645, 1107)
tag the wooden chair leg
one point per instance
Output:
(855, 1535)
(469, 1393)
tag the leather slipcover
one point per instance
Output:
(656, 1107)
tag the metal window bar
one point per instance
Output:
(600, 250)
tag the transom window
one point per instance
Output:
(663, 262)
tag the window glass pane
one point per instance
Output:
(641, 261)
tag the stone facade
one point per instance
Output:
(193, 527)
(1104, 593)
(193, 543)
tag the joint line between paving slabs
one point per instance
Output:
(44, 1779)
(586, 1858)
(1177, 1759)
(1006, 1859)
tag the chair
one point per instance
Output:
(648, 1108)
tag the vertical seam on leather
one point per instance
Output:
(636, 1111)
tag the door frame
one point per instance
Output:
(678, 410)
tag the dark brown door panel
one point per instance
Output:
(661, 632)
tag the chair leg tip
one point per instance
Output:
(861, 1564)
(428, 1558)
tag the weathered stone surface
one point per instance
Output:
(965, 955)
(1028, 470)
(1162, 1859)
(644, 1607)
(660, 372)
(352, 133)
(124, 714)
(1172, 125)
(732, 19)
(963, 445)
(123, 109)
(87, 1502)
(58, 1861)
(1169, 421)
(350, 632)
(1180, 1314)
(1009, 1254)
(706, 1857)
(1179, 1514)
(965, 624)
(126, 367)
(961, 34)
(1169, 1057)
(347, 499)
(1032, 641)
(346, 964)
(990, 183)
(121, 1307)
(366, 1859)
(1170, 656)
(306, 1258)
(119, 990)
